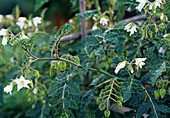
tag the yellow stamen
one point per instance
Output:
(22, 82)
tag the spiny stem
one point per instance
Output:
(65, 60)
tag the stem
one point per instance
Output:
(151, 102)
(29, 53)
(110, 94)
(61, 59)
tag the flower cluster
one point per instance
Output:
(23, 22)
(139, 63)
(8, 17)
(6, 35)
(21, 82)
(103, 21)
(151, 5)
(131, 28)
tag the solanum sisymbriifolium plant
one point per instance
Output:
(119, 64)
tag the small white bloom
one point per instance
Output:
(10, 16)
(162, 16)
(1, 18)
(141, 4)
(70, 20)
(23, 36)
(30, 23)
(150, 6)
(12, 60)
(8, 89)
(166, 35)
(94, 27)
(3, 32)
(161, 50)
(120, 66)
(20, 24)
(130, 28)
(35, 91)
(21, 82)
(36, 21)
(139, 62)
(4, 41)
(103, 21)
(22, 19)
(157, 3)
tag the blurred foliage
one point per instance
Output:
(61, 89)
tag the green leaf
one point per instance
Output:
(126, 94)
(92, 41)
(119, 45)
(86, 99)
(97, 80)
(100, 51)
(88, 14)
(154, 73)
(39, 3)
(97, 33)
(61, 32)
(143, 108)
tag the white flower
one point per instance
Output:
(21, 22)
(94, 27)
(103, 21)
(8, 89)
(21, 82)
(4, 41)
(162, 16)
(157, 3)
(30, 23)
(10, 16)
(36, 21)
(1, 18)
(23, 36)
(161, 50)
(35, 91)
(130, 28)
(70, 20)
(3, 32)
(141, 4)
(139, 62)
(22, 19)
(120, 66)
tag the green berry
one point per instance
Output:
(99, 100)
(118, 103)
(157, 95)
(107, 113)
(162, 92)
(102, 107)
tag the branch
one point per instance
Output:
(82, 7)
(34, 57)
(134, 18)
